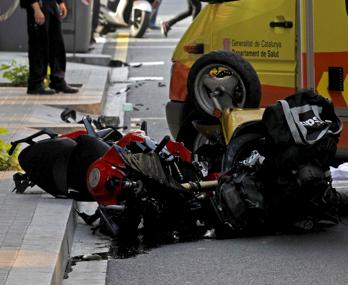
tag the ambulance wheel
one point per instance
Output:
(242, 88)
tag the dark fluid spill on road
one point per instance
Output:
(121, 249)
(128, 247)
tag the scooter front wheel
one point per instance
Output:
(232, 73)
(139, 23)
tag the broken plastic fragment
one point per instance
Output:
(127, 107)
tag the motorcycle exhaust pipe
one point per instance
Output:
(117, 208)
(201, 185)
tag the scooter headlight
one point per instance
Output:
(94, 177)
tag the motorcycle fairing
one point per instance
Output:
(109, 186)
(178, 149)
(123, 11)
(136, 136)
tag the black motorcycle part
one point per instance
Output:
(240, 148)
(88, 219)
(46, 163)
(87, 150)
(68, 114)
(162, 144)
(22, 182)
(30, 140)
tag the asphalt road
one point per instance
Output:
(318, 258)
(150, 96)
(315, 258)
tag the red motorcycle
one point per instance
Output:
(138, 181)
(134, 179)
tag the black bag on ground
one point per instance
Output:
(303, 118)
(293, 183)
(239, 201)
(302, 133)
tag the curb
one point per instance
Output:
(46, 247)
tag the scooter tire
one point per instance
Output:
(247, 93)
(144, 22)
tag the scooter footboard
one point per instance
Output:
(142, 5)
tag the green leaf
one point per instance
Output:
(8, 162)
(16, 73)
(3, 131)
(4, 67)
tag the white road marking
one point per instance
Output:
(148, 118)
(147, 63)
(159, 40)
(146, 78)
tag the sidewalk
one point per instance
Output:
(33, 249)
(92, 79)
(36, 230)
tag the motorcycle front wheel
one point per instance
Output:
(139, 23)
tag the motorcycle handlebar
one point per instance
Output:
(162, 144)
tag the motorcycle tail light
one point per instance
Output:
(194, 48)
(94, 178)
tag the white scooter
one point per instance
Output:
(125, 13)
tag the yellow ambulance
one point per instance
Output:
(292, 44)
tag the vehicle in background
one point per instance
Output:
(292, 44)
(125, 13)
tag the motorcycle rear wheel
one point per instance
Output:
(140, 23)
